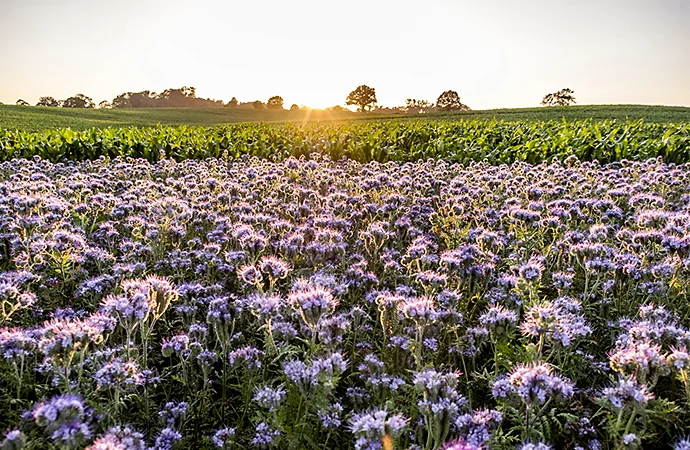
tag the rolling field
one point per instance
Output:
(42, 118)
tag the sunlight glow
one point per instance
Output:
(494, 53)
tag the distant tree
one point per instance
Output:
(79, 101)
(258, 104)
(564, 97)
(363, 97)
(275, 102)
(232, 103)
(450, 101)
(417, 106)
(337, 108)
(47, 101)
(105, 104)
(21, 102)
(143, 99)
(294, 107)
(189, 91)
(122, 101)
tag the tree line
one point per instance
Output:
(364, 97)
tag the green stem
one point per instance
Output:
(630, 422)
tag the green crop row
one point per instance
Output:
(457, 141)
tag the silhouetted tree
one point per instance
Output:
(294, 107)
(232, 103)
(363, 97)
(79, 101)
(47, 101)
(450, 101)
(21, 102)
(105, 104)
(275, 102)
(564, 97)
(184, 97)
(258, 104)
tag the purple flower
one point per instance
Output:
(250, 275)
(248, 357)
(531, 271)
(118, 374)
(223, 438)
(533, 383)
(460, 444)
(497, 318)
(269, 398)
(476, 427)
(626, 393)
(556, 320)
(167, 438)
(683, 444)
(14, 440)
(265, 436)
(15, 344)
(419, 309)
(63, 419)
(370, 427)
(274, 267)
(330, 416)
(173, 413)
(534, 446)
(120, 438)
(176, 344)
(312, 303)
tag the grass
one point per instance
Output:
(34, 118)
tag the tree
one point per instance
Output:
(450, 101)
(21, 102)
(232, 103)
(143, 99)
(47, 101)
(294, 107)
(417, 106)
(105, 104)
(79, 101)
(275, 102)
(122, 101)
(258, 104)
(364, 97)
(564, 97)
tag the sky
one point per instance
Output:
(494, 53)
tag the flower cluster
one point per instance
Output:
(319, 303)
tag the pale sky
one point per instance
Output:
(494, 53)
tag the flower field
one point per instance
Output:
(308, 303)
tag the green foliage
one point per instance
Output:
(37, 119)
(454, 141)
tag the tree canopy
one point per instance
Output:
(275, 102)
(48, 101)
(363, 97)
(450, 101)
(564, 97)
(79, 101)
(184, 97)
